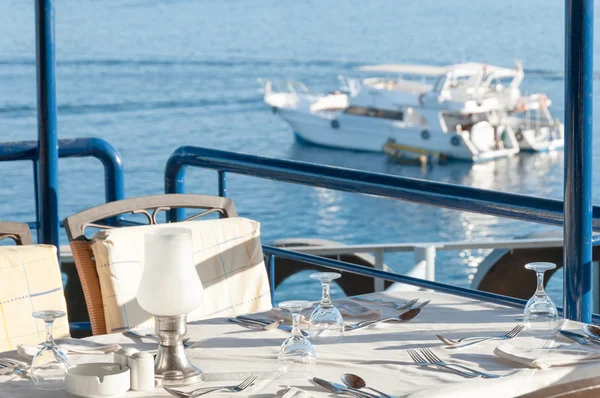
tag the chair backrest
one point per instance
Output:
(585, 388)
(19, 232)
(30, 280)
(76, 225)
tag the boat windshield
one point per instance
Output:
(439, 84)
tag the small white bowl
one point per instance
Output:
(95, 380)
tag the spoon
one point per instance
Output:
(405, 316)
(358, 382)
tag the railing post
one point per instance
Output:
(222, 184)
(175, 182)
(272, 278)
(425, 259)
(378, 283)
(579, 75)
(47, 134)
(595, 288)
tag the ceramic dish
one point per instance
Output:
(95, 380)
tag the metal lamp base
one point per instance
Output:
(172, 367)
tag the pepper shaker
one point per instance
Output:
(122, 355)
(142, 371)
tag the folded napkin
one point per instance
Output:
(544, 358)
(71, 346)
(293, 392)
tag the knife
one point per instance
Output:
(339, 389)
(578, 338)
(243, 319)
(378, 301)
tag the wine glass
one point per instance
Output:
(296, 354)
(540, 312)
(49, 365)
(326, 322)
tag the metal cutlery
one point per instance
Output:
(421, 361)
(133, 333)
(6, 363)
(249, 321)
(249, 381)
(404, 306)
(431, 357)
(405, 316)
(592, 331)
(357, 382)
(578, 338)
(453, 344)
(340, 389)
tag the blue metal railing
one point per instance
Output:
(47, 168)
(114, 177)
(579, 79)
(522, 207)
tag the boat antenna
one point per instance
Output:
(517, 49)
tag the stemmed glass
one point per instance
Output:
(49, 365)
(296, 353)
(540, 312)
(326, 322)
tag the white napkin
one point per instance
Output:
(71, 346)
(543, 358)
(293, 392)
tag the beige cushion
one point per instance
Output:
(30, 280)
(228, 257)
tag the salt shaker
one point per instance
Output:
(142, 371)
(122, 355)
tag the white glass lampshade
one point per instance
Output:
(170, 285)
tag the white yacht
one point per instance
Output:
(529, 115)
(466, 114)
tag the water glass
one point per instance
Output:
(540, 312)
(326, 321)
(49, 365)
(296, 354)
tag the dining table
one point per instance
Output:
(227, 353)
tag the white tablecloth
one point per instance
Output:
(228, 353)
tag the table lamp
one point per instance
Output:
(170, 289)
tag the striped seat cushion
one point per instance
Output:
(228, 257)
(30, 280)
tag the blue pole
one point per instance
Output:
(579, 75)
(47, 134)
(175, 183)
(222, 184)
(272, 278)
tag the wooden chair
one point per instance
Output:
(16, 231)
(149, 206)
(585, 388)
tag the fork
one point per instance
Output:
(7, 363)
(152, 336)
(419, 360)
(431, 357)
(249, 381)
(398, 318)
(404, 306)
(514, 332)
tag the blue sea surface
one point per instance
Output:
(150, 76)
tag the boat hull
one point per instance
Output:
(353, 134)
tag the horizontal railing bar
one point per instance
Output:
(394, 277)
(457, 197)
(408, 247)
